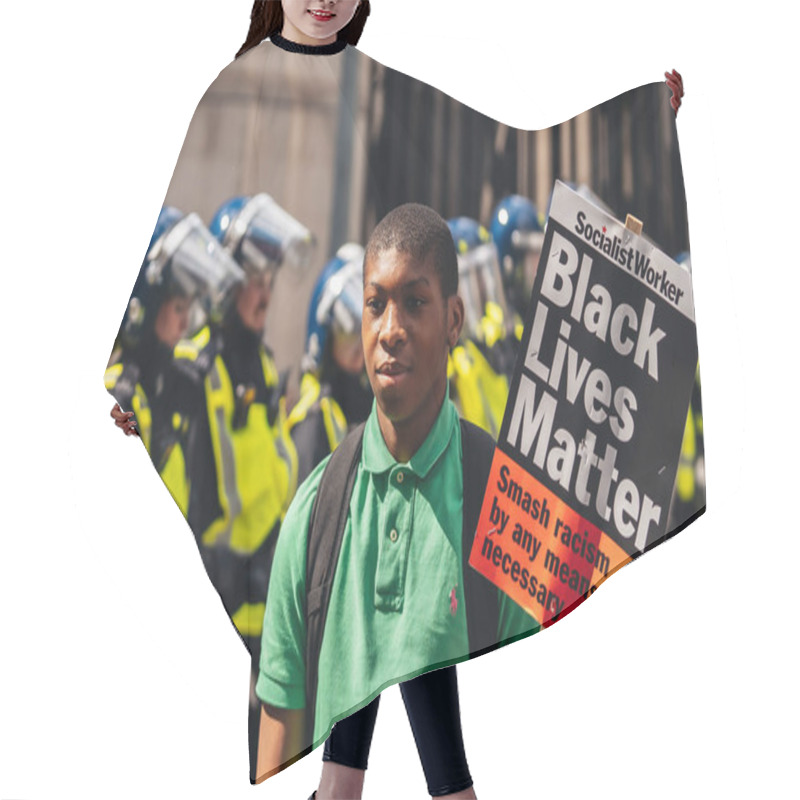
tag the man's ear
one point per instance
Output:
(455, 319)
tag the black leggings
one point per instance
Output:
(432, 706)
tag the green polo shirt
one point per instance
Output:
(392, 614)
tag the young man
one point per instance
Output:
(396, 606)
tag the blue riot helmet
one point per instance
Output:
(336, 303)
(261, 236)
(518, 233)
(480, 283)
(184, 259)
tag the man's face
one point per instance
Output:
(172, 320)
(253, 300)
(407, 328)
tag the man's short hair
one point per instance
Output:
(417, 230)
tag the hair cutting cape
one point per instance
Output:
(579, 342)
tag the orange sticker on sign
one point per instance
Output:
(538, 550)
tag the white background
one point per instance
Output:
(120, 675)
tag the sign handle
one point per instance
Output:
(634, 225)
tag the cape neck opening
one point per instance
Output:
(308, 49)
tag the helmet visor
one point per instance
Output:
(480, 284)
(343, 299)
(267, 237)
(198, 266)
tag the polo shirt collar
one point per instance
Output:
(375, 455)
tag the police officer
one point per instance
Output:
(518, 234)
(479, 363)
(246, 464)
(335, 393)
(689, 492)
(184, 269)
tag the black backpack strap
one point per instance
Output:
(325, 533)
(480, 594)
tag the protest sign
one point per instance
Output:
(586, 459)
